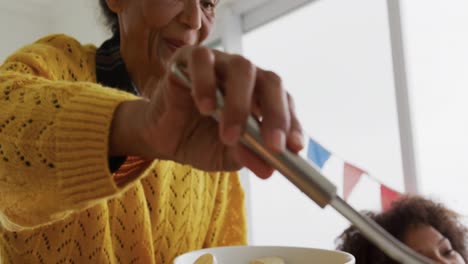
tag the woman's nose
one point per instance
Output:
(191, 16)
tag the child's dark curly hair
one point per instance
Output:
(404, 214)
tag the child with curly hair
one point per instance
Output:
(425, 226)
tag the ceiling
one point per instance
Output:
(239, 6)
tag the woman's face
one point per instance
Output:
(431, 243)
(151, 30)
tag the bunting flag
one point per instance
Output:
(351, 176)
(319, 156)
(388, 196)
(317, 153)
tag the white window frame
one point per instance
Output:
(239, 17)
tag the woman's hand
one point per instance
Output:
(175, 123)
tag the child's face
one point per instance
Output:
(429, 242)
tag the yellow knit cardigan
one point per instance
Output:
(59, 202)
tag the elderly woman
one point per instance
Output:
(423, 225)
(91, 174)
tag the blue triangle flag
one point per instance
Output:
(317, 154)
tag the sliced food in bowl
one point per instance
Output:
(206, 259)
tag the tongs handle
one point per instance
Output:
(309, 180)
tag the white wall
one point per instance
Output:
(22, 22)
(81, 19)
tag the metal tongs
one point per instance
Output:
(309, 180)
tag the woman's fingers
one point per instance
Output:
(246, 89)
(202, 72)
(295, 137)
(238, 77)
(276, 117)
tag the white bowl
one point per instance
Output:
(291, 255)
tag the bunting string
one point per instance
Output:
(319, 156)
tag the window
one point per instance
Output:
(335, 58)
(437, 57)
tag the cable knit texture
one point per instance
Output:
(59, 203)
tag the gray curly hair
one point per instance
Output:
(112, 21)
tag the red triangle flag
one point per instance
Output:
(351, 177)
(388, 196)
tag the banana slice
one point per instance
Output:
(206, 259)
(268, 260)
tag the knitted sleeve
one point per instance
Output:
(54, 131)
(228, 224)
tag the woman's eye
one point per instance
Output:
(208, 5)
